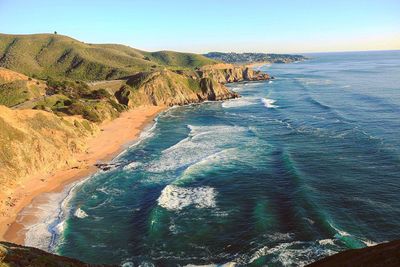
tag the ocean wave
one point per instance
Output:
(38, 234)
(46, 232)
(328, 241)
(176, 198)
(202, 141)
(351, 241)
(318, 103)
(269, 103)
(314, 81)
(223, 157)
(296, 253)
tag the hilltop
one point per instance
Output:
(43, 55)
(247, 58)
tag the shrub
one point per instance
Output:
(40, 107)
(119, 107)
(76, 108)
(99, 94)
(67, 88)
(91, 115)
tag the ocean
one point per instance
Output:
(298, 168)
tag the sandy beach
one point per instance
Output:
(111, 140)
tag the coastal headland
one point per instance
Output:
(65, 109)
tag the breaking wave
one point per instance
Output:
(202, 141)
(269, 103)
(238, 102)
(176, 198)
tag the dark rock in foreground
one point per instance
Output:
(19, 256)
(386, 254)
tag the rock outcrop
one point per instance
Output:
(182, 87)
(12, 255)
(228, 73)
(385, 254)
(171, 88)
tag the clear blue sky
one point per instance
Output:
(213, 25)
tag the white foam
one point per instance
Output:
(280, 237)
(228, 264)
(327, 241)
(238, 102)
(223, 157)
(313, 81)
(127, 264)
(202, 141)
(369, 243)
(51, 216)
(176, 198)
(131, 166)
(38, 234)
(79, 213)
(340, 232)
(292, 254)
(269, 103)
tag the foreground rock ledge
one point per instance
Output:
(386, 254)
(19, 256)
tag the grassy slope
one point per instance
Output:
(61, 56)
(32, 140)
(16, 88)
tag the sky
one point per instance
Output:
(200, 26)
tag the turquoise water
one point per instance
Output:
(298, 168)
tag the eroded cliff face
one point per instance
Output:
(33, 141)
(171, 88)
(228, 73)
(185, 86)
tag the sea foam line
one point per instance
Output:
(45, 233)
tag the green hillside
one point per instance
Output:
(42, 55)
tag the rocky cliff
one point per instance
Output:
(171, 88)
(228, 73)
(185, 86)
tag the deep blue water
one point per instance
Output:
(296, 169)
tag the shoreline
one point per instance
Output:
(114, 137)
